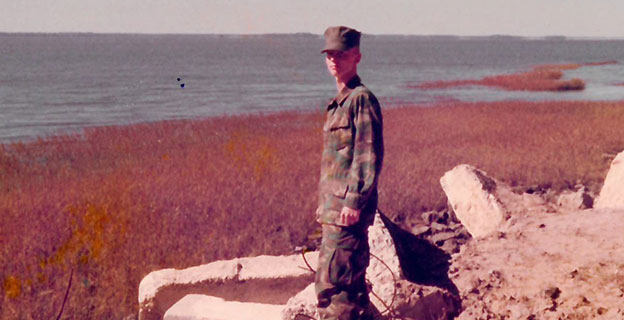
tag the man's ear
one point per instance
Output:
(355, 51)
(358, 57)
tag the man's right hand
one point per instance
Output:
(348, 216)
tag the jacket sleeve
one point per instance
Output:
(367, 149)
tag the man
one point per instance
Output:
(350, 166)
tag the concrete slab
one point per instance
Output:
(203, 307)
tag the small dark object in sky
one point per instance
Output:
(182, 85)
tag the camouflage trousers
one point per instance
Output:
(341, 274)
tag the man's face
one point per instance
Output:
(342, 64)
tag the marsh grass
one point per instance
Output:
(540, 78)
(115, 203)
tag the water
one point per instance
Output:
(55, 83)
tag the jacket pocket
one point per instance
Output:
(340, 190)
(338, 130)
(335, 123)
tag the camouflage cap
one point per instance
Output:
(341, 38)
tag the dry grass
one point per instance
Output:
(122, 201)
(119, 202)
(540, 78)
(525, 144)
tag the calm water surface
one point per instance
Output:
(55, 83)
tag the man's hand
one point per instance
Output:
(348, 216)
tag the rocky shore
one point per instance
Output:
(497, 254)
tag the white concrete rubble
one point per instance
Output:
(482, 203)
(303, 302)
(384, 268)
(471, 195)
(203, 307)
(161, 289)
(574, 200)
(612, 193)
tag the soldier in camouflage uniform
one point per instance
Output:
(350, 166)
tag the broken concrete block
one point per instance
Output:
(303, 302)
(203, 307)
(612, 193)
(482, 203)
(473, 196)
(251, 278)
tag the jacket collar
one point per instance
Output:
(340, 98)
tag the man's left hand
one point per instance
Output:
(349, 216)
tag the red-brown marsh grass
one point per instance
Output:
(525, 144)
(600, 63)
(119, 202)
(540, 78)
(115, 203)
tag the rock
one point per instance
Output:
(452, 245)
(203, 307)
(429, 216)
(384, 267)
(471, 194)
(389, 284)
(574, 200)
(421, 230)
(424, 303)
(254, 279)
(441, 217)
(393, 282)
(439, 238)
(303, 302)
(438, 227)
(612, 192)
(553, 292)
(443, 229)
(482, 203)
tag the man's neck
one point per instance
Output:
(342, 82)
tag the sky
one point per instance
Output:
(533, 18)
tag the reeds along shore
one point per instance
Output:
(115, 203)
(540, 78)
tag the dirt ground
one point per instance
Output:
(545, 265)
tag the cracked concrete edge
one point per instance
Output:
(161, 282)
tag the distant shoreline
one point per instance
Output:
(496, 37)
(270, 113)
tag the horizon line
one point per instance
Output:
(563, 37)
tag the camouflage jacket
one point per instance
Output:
(352, 154)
